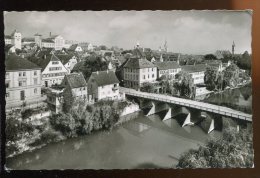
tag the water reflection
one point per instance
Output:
(239, 98)
(145, 142)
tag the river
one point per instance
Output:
(144, 142)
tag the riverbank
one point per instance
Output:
(40, 131)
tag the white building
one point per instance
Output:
(15, 39)
(22, 82)
(168, 69)
(104, 85)
(138, 70)
(53, 71)
(197, 72)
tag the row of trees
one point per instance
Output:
(218, 80)
(84, 118)
(233, 150)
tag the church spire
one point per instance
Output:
(233, 49)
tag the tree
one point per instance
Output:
(232, 150)
(231, 76)
(184, 85)
(210, 57)
(210, 78)
(148, 87)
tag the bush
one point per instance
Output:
(26, 113)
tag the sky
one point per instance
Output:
(188, 32)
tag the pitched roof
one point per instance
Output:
(167, 65)
(8, 47)
(105, 77)
(73, 47)
(194, 68)
(43, 62)
(78, 66)
(14, 62)
(64, 58)
(28, 39)
(8, 37)
(76, 80)
(138, 63)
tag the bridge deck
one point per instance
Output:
(225, 111)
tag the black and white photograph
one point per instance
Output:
(128, 89)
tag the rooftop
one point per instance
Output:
(14, 62)
(107, 77)
(75, 80)
(167, 65)
(138, 63)
(194, 68)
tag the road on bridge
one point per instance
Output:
(225, 111)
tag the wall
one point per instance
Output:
(31, 87)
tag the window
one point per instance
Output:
(148, 75)
(7, 75)
(153, 76)
(144, 76)
(35, 81)
(20, 74)
(83, 88)
(152, 69)
(6, 84)
(24, 73)
(20, 83)
(55, 62)
(35, 73)
(7, 94)
(35, 90)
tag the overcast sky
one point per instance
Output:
(191, 32)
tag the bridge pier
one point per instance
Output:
(211, 122)
(158, 107)
(193, 117)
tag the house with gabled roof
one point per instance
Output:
(22, 82)
(104, 85)
(138, 70)
(53, 70)
(68, 60)
(75, 87)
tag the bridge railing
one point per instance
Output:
(192, 104)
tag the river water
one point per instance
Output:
(144, 142)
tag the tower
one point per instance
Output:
(38, 39)
(233, 49)
(165, 46)
(17, 39)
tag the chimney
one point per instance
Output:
(50, 34)
(97, 72)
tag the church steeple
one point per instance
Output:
(165, 46)
(233, 49)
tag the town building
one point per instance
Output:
(53, 41)
(22, 82)
(53, 71)
(104, 85)
(168, 69)
(197, 72)
(55, 99)
(68, 60)
(15, 39)
(75, 88)
(138, 70)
